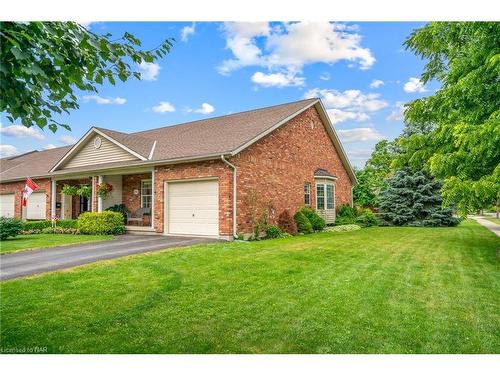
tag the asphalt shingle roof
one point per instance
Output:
(218, 135)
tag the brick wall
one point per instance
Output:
(277, 166)
(130, 183)
(16, 188)
(212, 168)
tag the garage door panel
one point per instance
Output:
(36, 206)
(7, 205)
(193, 208)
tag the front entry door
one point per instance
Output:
(67, 206)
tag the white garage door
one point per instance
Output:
(193, 208)
(36, 206)
(7, 205)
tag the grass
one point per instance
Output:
(37, 241)
(377, 290)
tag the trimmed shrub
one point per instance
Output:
(347, 211)
(106, 222)
(303, 223)
(120, 208)
(317, 222)
(342, 228)
(37, 225)
(9, 227)
(273, 231)
(367, 219)
(286, 223)
(344, 220)
(67, 223)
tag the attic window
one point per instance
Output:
(97, 142)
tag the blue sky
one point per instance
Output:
(359, 70)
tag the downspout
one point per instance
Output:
(233, 167)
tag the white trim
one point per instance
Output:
(87, 135)
(152, 217)
(271, 129)
(150, 180)
(152, 151)
(99, 198)
(53, 193)
(325, 178)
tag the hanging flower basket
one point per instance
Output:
(69, 190)
(84, 191)
(104, 189)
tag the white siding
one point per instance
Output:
(107, 153)
(115, 197)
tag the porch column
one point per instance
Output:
(152, 217)
(94, 194)
(53, 192)
(99, 199)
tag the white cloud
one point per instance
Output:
(205, 109)
(290, 46)
(164, 107)
(325, 76)
(359, 154)
(376, 83)
(348, 105)
(338, 116)
(277, 79)
(397, 113)
(21, 131)
(100, 100)
(149, 71)
(50, 146)
(359, 135)
(414, 85)
(187, 31)
(8, 150)
(67, 139)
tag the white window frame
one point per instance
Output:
(307, 193)
(325, 195)
(143, 195)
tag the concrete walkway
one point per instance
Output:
(33, 262)
(495, 228)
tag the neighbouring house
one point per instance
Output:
(209, 177)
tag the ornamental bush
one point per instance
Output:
(414, 199)
(9, 227)
(286, 223)
(67, 223)
(367, 218)
(317, 222)
(274, 231)
(106, 222)
(36, 225)
(303, 223)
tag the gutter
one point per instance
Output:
(233, 167)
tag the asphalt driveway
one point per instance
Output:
(33, 262)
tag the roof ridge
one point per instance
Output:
(228, 115)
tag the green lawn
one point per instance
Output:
(36, 241)
(377, 290)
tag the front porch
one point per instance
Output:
(130, 193)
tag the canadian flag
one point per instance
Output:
(29, 188)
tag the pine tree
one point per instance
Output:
(414, 199)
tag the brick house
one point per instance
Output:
(209, 178)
